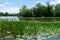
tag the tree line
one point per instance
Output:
(7, 14)
(38, 10)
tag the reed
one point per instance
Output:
(28, 28)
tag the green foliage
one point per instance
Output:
(7, 14)
(57, 8)
(25, 12)
(1, 13)
(38, 10)
(29, 27)
(48, 11)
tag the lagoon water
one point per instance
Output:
(42, 37)
(14, 18)
(42, 19)
(53, 38)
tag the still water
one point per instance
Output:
(10, 18)
(35, 37)
(42, 19)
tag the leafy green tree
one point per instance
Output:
(6, 14)
(37, 10)
(1, 13)
(25, 12)
(54, 13)
(48, 10)
(57, 8)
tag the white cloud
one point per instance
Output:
(58, 1)
(55, 1)
(52, 2)
(7, 3)
(13, 10)
(38, 1)
(4, 4)
(1, 5)
(10, 10)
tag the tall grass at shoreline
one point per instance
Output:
(29, 28)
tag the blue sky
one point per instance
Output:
(13, 6)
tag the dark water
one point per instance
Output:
(45, 37)
(53, 38)
(42, 19)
